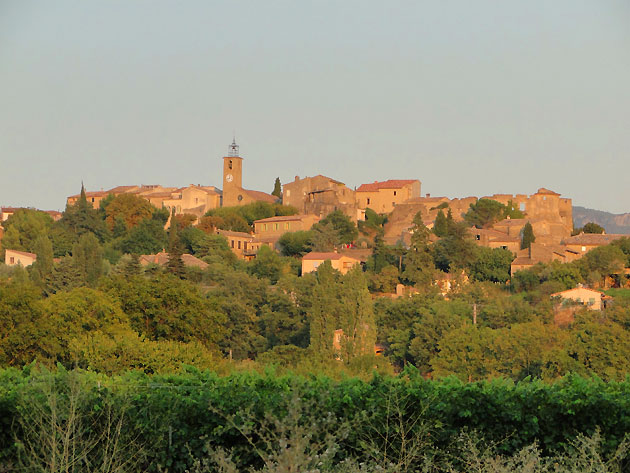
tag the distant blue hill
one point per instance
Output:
(613, 223)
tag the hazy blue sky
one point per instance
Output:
(471, 97)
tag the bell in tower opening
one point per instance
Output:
(233, 149)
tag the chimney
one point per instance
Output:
(428, 195)
(297, 178)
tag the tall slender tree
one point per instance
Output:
(175, 263)
(528, 236)
(277, 188)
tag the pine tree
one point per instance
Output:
(175, 263)
(277, 188)
(440, 227)
(528, 236)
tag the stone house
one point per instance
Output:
(495, 239)
(585, 242)
(540, 253)
(320, 195)
(383, 196)
(594, 300)
(194, 200)
(21, 258)
(340, 262)
(273, 228)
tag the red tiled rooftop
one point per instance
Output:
(390, 184)
(593, 239)
(23, 253)
(322, 256)
(283, 218)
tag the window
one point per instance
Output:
(275, 226)
(12, 260)
(504, 247)
(230, 164)
(478, 237)
(287, 192)
(393, 204)
(92, 199)
(239, 244)
(591, 301)
(265, 227)
(522, 207)
(368, 201)
(583, 248)
(245, 246)
(394, 192)
(232, 241)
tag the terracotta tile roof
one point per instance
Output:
(261, 196)
(390, 184)
(284, 218)
(525, 261)
(235, 234)
(592, 239)
(23, 253)
(121, 189)
(555, 294)
(11, 209)
(322, 256)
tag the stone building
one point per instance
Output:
(542, 253)
(340, 262)
(273, 228)
(19, 258)
(495, 239)
(585, 242)
(320, 195)
(194, 200)
(383, 196)
(550, 215)
(592, 299)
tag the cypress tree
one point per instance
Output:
(419, 267)
(277, 188)
(175, 263)
(528, 236)
(440, 227)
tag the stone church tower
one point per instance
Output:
(233, 192)
(232, 177)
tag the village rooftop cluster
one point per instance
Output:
(549, 214)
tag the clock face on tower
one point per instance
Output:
(229, 178)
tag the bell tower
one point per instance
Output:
(232, 176)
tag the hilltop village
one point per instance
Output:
(400, 200)
(313, 272)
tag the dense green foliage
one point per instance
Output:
(169, 420)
